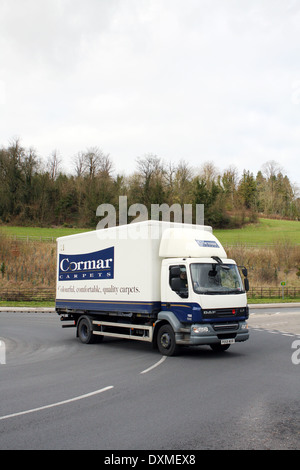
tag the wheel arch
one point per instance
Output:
(165, 318)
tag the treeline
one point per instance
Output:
(33, 192)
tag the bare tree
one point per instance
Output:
(149, 165)
(183, 180)
(151, 170)
(79, 164)
(271, 168)
(92, 162)
(209, 173)
(54, 165)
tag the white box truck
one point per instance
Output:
(166, 283)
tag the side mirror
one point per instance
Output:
(174, 272)
(246, 284)
(244, 271)
(176, 284)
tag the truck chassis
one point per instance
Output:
(164, 336)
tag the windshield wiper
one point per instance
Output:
(210, 292)
(234, 291)
(220, 263)
(221, 292)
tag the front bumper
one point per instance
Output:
(213, 333)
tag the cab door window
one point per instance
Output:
(178, 280)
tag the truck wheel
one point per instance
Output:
(166, 341)
(218, 347)
(84, 330)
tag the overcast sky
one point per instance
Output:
(193, 80)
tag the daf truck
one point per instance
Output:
(165, 283)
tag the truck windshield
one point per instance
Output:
(212, 278)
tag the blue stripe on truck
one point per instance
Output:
(108, 306)
(187, 312)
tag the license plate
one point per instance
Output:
(228, 341)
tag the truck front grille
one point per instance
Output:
(225, 312)
(226, 327)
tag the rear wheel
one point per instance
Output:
(166, 341)
(85, 330)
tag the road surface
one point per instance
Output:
(57, 393)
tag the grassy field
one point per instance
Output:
(38, 232)
(266, 231)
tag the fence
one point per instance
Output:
(28, 295)
(32, 238)
(274, 292)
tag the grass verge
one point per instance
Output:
(9, 303)
(253, 300)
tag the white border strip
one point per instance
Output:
(96, 392)
(154, 365)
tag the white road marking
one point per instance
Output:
(274, 332)
(154, 365)
(96, 392)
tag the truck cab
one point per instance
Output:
(205, 301)
(203, 297)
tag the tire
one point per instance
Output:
(85, 329)
(166, 341)
(218, 347)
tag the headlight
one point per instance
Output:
(244, 326)
(200, 329)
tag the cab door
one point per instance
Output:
(175, 290)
